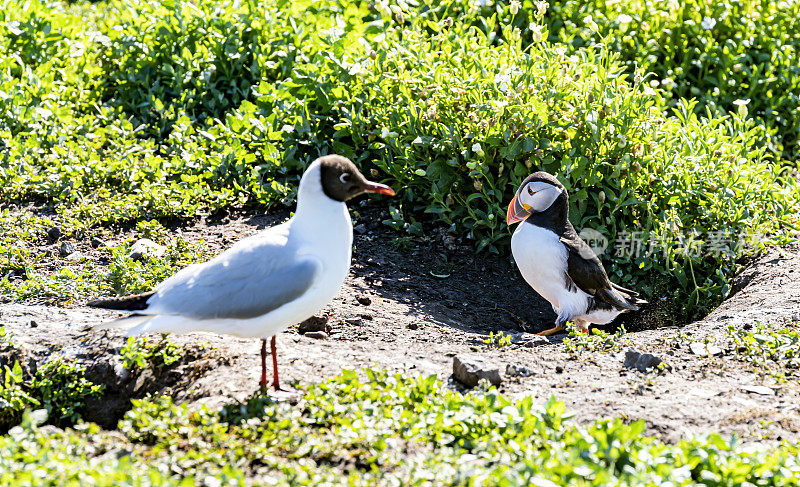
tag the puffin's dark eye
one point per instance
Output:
(344, 178)
(530, 191)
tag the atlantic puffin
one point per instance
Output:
(266, 282)
(556, 262)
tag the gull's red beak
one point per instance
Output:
(516, 212)
(371, 187)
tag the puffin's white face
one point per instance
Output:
(537, 196)
(534, 197)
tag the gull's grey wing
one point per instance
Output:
(248, 280)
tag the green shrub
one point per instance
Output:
(719, 53)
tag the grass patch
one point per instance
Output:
(772, 353)
(578, 344)
(381, 430)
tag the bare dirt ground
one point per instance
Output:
(395, 313)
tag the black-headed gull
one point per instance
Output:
(269, 281)
(557, 263)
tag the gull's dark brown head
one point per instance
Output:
(341, 179)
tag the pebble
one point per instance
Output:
(763, 390)
(66, 249)
(360, 229)
(353, 321)
(313, 324)
(413, 326)
(96, 243)
(528, 339)
(54, 233)
(469, 369)
(318, 335)
(34, 324)
(517, 371)
(700, 348)
(559, 369)
(643, 362)
(363, 300)
(145, 246)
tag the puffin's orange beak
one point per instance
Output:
(371, 187)
(516, 212)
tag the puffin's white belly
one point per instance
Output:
(542, 261)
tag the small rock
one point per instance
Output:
(34, 324)
(641, 361)
(366, 316)
(145, 376)
(528, 339)
(469, 369)
(559, 369)
(146, 247)
(315, 323)
(700, 348)
(360, 229)
(763, 390)
(54, 233)
(517, 371)
(75, 256)
(318, 335)
(96, 243)
(413, 326)
(66, 249)
(363, 300)
(353, 321)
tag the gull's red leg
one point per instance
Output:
(275, 382)
(263, 382)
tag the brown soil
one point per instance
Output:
(415, 322)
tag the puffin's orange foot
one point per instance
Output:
(552, 331)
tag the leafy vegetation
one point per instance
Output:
(143, 353)
(31, 265)
(382, 430)
(62, 389)
(596, 341)
(497, 340)
(772, 352)
(59, 386)
(731, 56)
(119, 112)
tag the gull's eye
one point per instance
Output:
(530, 191)
(344, 178)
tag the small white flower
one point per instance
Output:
(537, 32)
(418, 140)
(624, 19)
(476, 147)
(590, 23)
(668, 84)
(384, 133)
(708, 23)
(541, 8)
(741, 102)
(514, 6)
